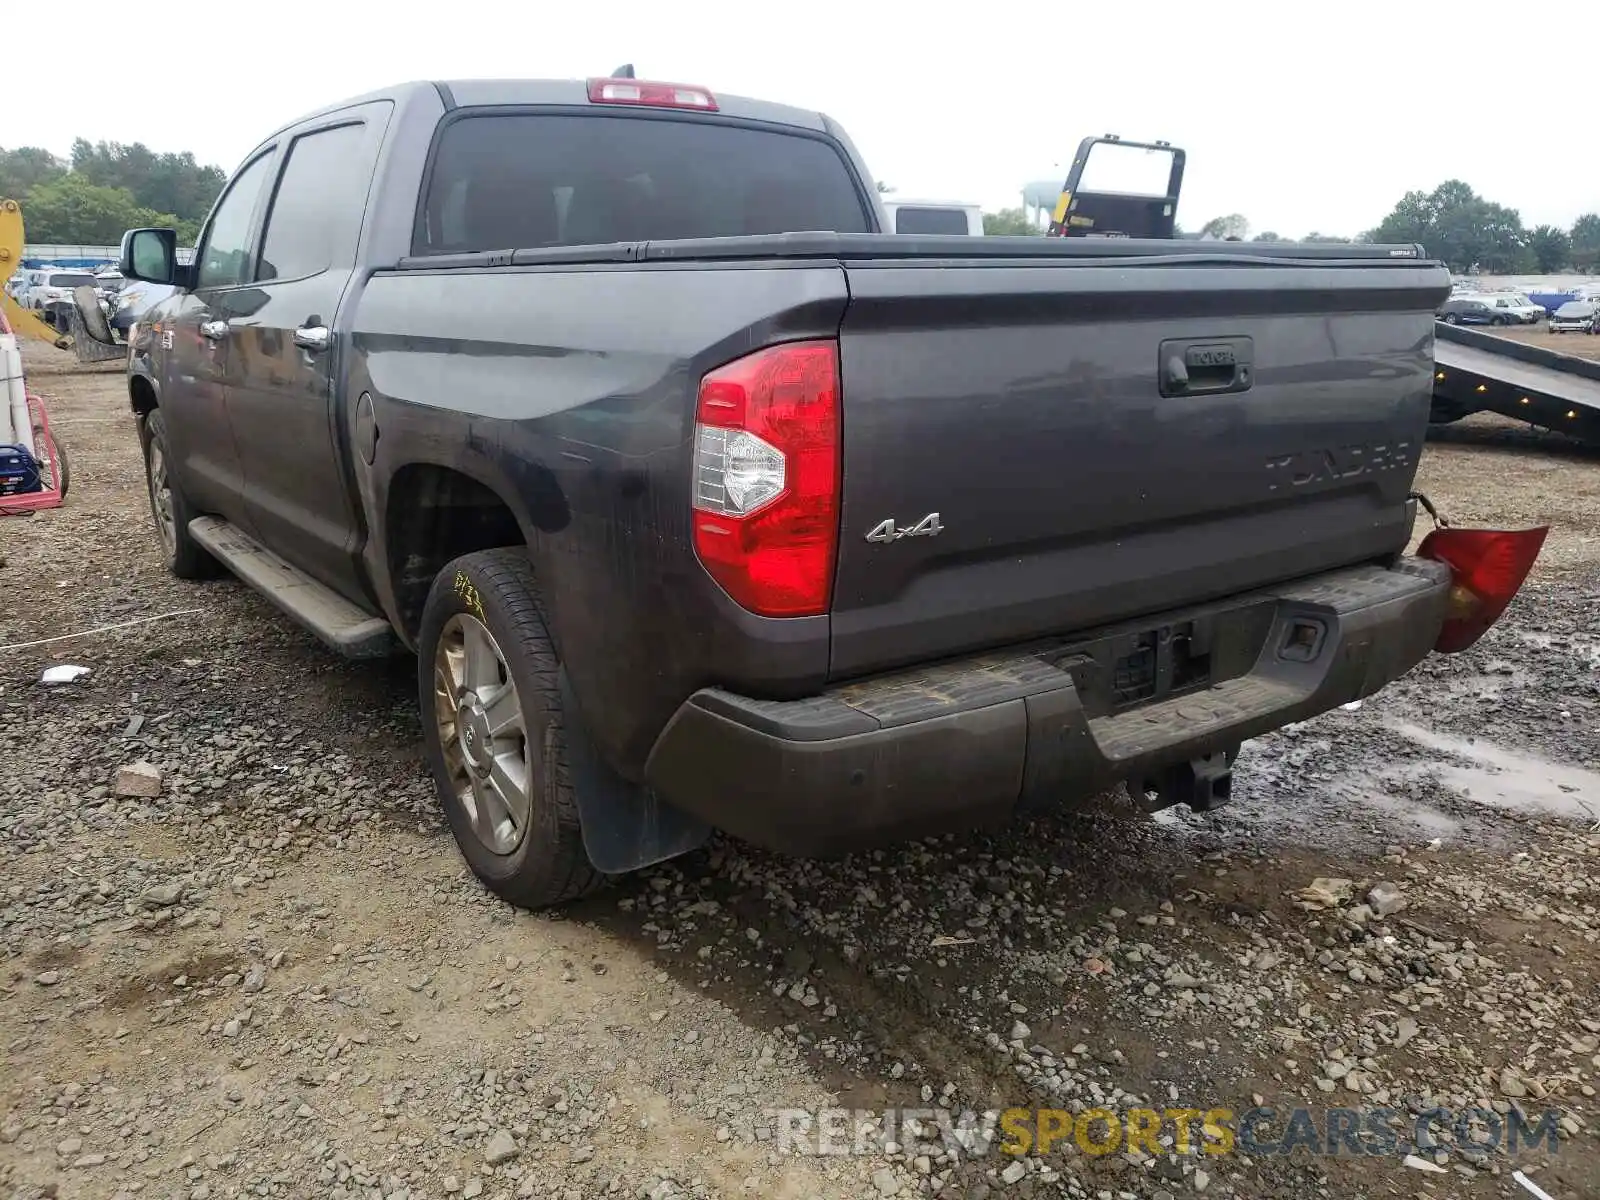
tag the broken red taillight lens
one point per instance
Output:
(1487, 567)
(766, 478)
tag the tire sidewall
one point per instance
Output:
(154, 432)
(461, 589)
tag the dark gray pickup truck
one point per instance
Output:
(704, 503)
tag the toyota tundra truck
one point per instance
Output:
(704, 502)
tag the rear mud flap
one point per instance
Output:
(626, 826)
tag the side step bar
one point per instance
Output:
(352, 631)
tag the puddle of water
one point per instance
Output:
(1584, 647)
(1402, 808)
(1505, 779)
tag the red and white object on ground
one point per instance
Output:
(24, 423)
(766, 478)
(1488, 566)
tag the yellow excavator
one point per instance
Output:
(23, 323)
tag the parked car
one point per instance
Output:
(1576, 316)
(704, 502)
(50, 286)
(109, 283)
(1472, 310)
(1523, 310)
(934, 216)
(131, 302)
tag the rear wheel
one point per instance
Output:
(186, 558)
(1451, 319)
(493, 727)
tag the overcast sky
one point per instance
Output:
(1303, 117)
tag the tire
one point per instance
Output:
(1451, 319)
(527, 848)
(59, 452)
(1497, 321)
(186, 558)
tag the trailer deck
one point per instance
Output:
(1480, 372)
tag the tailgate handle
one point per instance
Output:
(1206, 366)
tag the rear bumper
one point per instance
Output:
(965, 743)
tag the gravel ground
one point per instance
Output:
(271, 975)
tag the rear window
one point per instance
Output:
(522, 181)
(930, 220)
(62, 280)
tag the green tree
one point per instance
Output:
(1586, 242)
(1459, 227)
(71, 210)
(1231, 226)
(1326, 238)
(170, 183)
(1009, 222)
(23, 169)
(1551, 248)
(1269, 237)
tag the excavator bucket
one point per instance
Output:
(23, 323)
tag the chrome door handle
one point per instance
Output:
(312, 337)
(215, 330)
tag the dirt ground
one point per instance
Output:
(1576, 344)
(276, 978)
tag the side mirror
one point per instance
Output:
(150, 255)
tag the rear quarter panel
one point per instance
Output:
(570, 392)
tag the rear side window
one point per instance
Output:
(522, 181)
(316, 212)
(930, 220)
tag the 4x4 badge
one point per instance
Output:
(888, 531)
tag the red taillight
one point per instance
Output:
(766, 478)
(1488, 566)
(651, 95)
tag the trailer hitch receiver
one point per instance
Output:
(1201, 783)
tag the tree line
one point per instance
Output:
(1453, 223)
(105, 188)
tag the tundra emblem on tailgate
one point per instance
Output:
(1338, 462)
(887, 531)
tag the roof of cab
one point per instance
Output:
(482, 93)
(474, 93)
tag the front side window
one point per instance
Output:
(225, 261)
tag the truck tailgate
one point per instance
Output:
(1104, 439)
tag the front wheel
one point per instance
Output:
(492, 724)
(186, 558)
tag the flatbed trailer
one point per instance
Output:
(1481, 372)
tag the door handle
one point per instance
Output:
(215, 330)
(312, 337)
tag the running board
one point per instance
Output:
(352, 631)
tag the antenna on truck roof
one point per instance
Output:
(625, 71)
